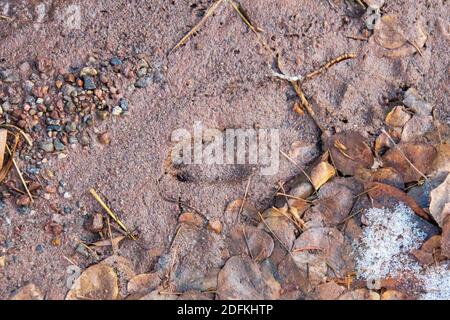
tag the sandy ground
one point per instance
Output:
(222, 78)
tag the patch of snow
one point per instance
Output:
(436, 283)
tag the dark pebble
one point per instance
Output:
(88, 83)
(53, 127)
(39, 248)
(59, 146)
(123, 104)
(115, 61)
(143, 82)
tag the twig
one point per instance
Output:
(329, 64)
(5, 17)
(293, 197)
(245, 198)
(404, 155)
(20, 175)
(270, 230)
(208, 13)
(109, 212)
(301, 169)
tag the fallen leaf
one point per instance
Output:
(439, 198)
(98, 282)
(358, 294)
(393, 295)
(388, 34)
(145, 282)
(421, 155)
(445, 243)
(384, 195)
(357, 153)
(388, 176)
(397, 117)
(242, 279)
(442, 161)
(415, 130)
(429, 253)
(29, 292)
(328, 291)
(250, 240)
(321, 173)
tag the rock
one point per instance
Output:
(397, 117)
(68, 90)
(94, 223)
(421, 156)
(421, 192)
(117, 111)
(321, 173)
(250, 240)
(70, 126)
(191, 218)
(104, 138)
(145, 282)
(215, 226)
(29, 292)
(88, 83)
(414, 101)
(439, 198)
(98, 282)
(415, 130)
(85, 140)
(328, 291)
(349, 152)
(59, 146)
(123, 104)
(47, 146)
(442, 161)
(88, 71)
(242, 279)
(115, 61)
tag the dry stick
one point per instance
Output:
(245, 197)
(270, 230)
(20, 175)
(208, 13)
(329, 64)
(110, 235)
(293, 197)
(5, 17)
(301, 169)
(290, 218)
(248, 23)
(109, 212)
(246, 242)
(404, 155)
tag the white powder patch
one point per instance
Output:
(436, 283)
(386, 242)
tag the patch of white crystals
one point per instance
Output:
(436, 283)
(386, 242)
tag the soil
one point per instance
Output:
(222, 77)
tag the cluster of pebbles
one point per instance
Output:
(58, 109)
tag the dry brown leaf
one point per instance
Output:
(3, 139)
(145, 282)
(393, 295)
(439, 198)
(388, 33)
(384, 195)
(421, 155)
(106, 243)
(321, 173)
(357, 153)
(397, 117)
(442, 162)
(445, 244)
(388, 176)
(98, 282)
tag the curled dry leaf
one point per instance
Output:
(398, 39)
(242, 279)
(321, 173)
(384, 195)
(145, 282)
(421, 155)
(397, 117)
(349, 152)
(98, 282)
(251, 240)
(439, 198)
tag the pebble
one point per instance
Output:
(88, 71)
(117, 111)
(40, 248)
(59, 146)
(70, 127)
(215, 226)
(47, 146)
(94, 223)
(67, 195)
(143, 82)
(23, 200)
(88, 83)
(85, 140)
(104, 138)
(123, 104)
(115, 61)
